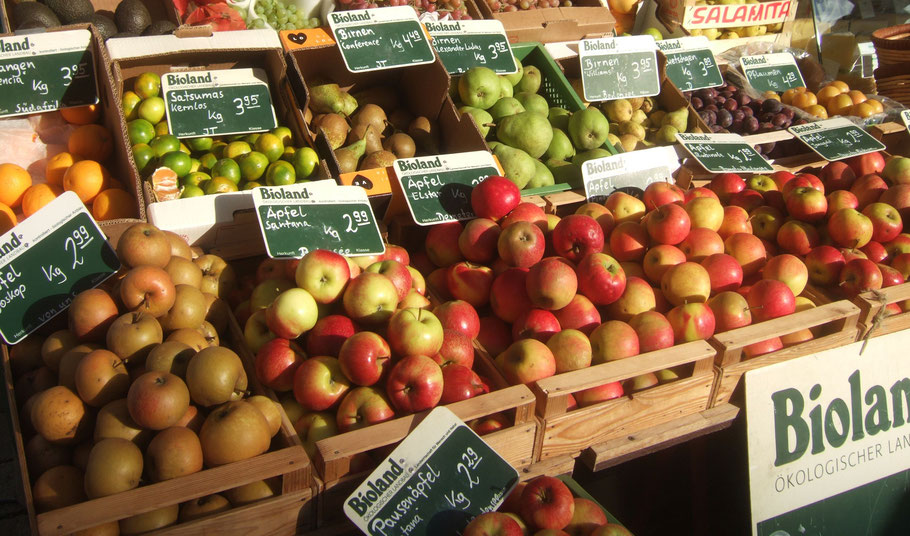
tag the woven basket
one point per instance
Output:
(892, 44)
(894, 81)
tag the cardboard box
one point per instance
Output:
(586, 18)
(158, 9)
(422, 89)
(223, 223)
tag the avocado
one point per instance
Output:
(71, 11)
(105, 25)
(160, 27)
(34, 15)
(132, 16)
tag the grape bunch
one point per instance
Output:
(455, 8)
(499, 6)
(280, 16)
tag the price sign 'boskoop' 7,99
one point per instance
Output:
(55, 254)
(722, 153)
(438, 188)
(772, 72)
(373, 39)
(472, 43)
(836, 139)
(618, 67)
(690, 63)
(439, 478)
(221, 102)
(299, 218)
(44, 72)
(627, 172)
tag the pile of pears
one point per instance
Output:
(368, 129)
(537, 144)
(639, 123)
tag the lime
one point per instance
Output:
(194, 178)
(219, 185)
(140, 131)
(194, 165)
(251, 138)
(142, 155)
(270, 145)
(280, 173)
(184, 148)
(226, 168)
(130, 104)
(147, 85)
(164, 144)
(237, 148)
(191, 191)
(305, 161)
(178, 161)
(200, 145)
(152, 109)
(284, 134)
(218, 149)
(161, 128)
(249, 185)
(252, 165)
(207, 160)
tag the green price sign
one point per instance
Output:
(627, 172)
(47, 71)
(618, 67)
(384, 38)
(302, 217)
(438, 188)
(836, 139)
(439, 478)
(690, 63)
(55, 254)
(722, 153)
(217, 103)
(772, 72)
(472, 43)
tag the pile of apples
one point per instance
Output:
(545, 505)
(137, 389)
(356, 342)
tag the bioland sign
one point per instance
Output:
(829, 441)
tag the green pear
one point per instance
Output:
(657, 118)
(528, 131)
(581, 158)
(678, 119)
(533, 102)
(613, 139)
(530, 79)
(326, 99)
(618, 111)
(640, 117)
(517, 165)
(479, 87)
(559, 117)
(504, 107)
(565, 172)
(654, 32)
(588, 128)
(506, 86)
(348, 157)
(633, 128)
(348, 104)
(481, 118)
(492, 145)
(542, 176)
(666, 135)
(561, 147)
(629, 142)
(515, 77)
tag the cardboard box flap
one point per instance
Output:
(140, 47)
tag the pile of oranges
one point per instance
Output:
(80, 169)
(834, 99)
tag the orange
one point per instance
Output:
(87, 178)
(839, 105)
(877, 105)
(92, 142)
(826, 93)
(863, 109)
(7, 218)
(857, 96)
(113, 204)
(787, 97)
(818, 111)
(841, 85)
(14, 181)
(804, 100)
(81, 115)
(37, 196)
(57, 166)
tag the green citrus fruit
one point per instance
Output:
(280, 173)
(142, 155)
(207, 160)
(194, 165)
(288, 154)
(184, 148)
(218, 149)
(200, 145)
(305, 161)
(195, 178)
(252, 165)
(249, 185)
(236, 148)
(227, 168)
(147, 85)
(161, 128)
(191, 191)
(270, 145)
(140, 131)
(164, 144)
(130, 104)
(251, 138)
(178, 161)
(284, 134)
(220, 185)
(152, 109)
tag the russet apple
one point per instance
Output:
(90, 314)
(232, 432)
(113, 420)
(114, 465)
(172, 453)
(148, 289)
(215, 375)
(101, 377)
(144, 244)
(218, 277)
(59, 415)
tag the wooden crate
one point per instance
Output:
(291, 511)
(836, 320)
(873, 319)
(573, 432)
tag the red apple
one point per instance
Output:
(601, 214)
(414, 332)
(797, 237)
(781, 178)
(824, 264)
(508, 297)
(661, 193)
(547, 503)
(396, 272)
(886, 221)
(526, 361)
(659, 259)
(477, 242)
(726, 184)
(415, 384)
(460, 383)
(361, 407)
(456, 348)
(459, 315)
(629, 241)
(442, 243)
(901, 244)
(787, 269)
(898, 196)
(806, 204)
(700, 244)
(762, 347)
(724, 272)
(364, 357)
(577, 235)
(277, 362)
(521, 244)
(686, 282)
(839, 199)
(580, 314)
(669, 224)
(691, 322)
(866, 163)
(736, 220)
(551, 283)
(470, 282)
(849, 228)
(875, 251)
(837, 176)
(324, 274)
(494, 197)
(730, 311)
(535, 324)
(613, 340)
(654, 331)
(700, 191)
(492, 524)
(890, 276)
(860, 275)
(526, 212)
(600, 278)
(319, 383)
(625, 207)
(748, 250)
(370, 299)
(868, 189)
(901, 263)
(495, 335)
(328, 335)
(748, 200)
(601, 393)
(803, 180)
(769, 299)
